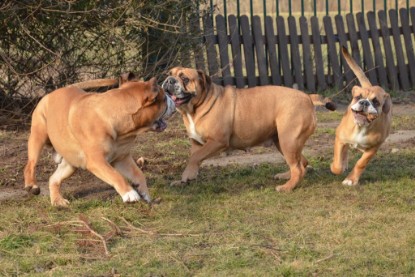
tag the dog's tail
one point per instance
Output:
(364, 81)
(109, 83)
(98, 83)
(320, 101)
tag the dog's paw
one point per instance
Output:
(348, 182)
(178, 184)
(131, 196)
(35, 190)
(283, 188)
(336, 170)
(60, 202)
(283, 176)
(190, 173)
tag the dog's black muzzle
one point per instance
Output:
(169, 85)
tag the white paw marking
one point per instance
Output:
(131, 196)
(348, 182)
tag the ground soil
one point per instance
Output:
(13, 155)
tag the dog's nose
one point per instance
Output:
(364, 103)
(171, 81)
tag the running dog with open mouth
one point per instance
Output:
(365, 125)
(96, 131)
(221, 118)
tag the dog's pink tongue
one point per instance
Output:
(173, 97)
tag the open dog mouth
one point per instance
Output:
(362, 118)
(178, 101)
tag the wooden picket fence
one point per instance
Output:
(249, 51)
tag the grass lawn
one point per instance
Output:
(230, 222)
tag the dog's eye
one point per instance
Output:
(375, 102)
(185, 80)
(358, 97)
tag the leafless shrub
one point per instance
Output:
(48, 44)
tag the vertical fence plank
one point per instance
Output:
(223, 50)
(367, 53)
(185, 53)
(272, 53)
(236, 51)
(413, 19)
(318, 55)
(380, 68)
(210, 47)
(343, 42)
(199, 48)
(248, 51)
(390, 64)
(260, 51)
(295, 53)
(283, 50)
(351, 27)
(332, 51)
(307, 59)
(402, 72)
(408, 44)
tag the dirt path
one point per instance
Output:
(275, 157)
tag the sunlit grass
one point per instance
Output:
(230, 221)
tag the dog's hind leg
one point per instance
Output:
(129, 169)
(63, 171)
(37, 139)
(297, 172)
(287, 175)
(291, 148)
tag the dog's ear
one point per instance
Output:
(206, 81)
(387, 103)
(356, 91)
(126, 77)
(151, 92)
(153, 84)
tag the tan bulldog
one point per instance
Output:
(365, 125)
(219, 118)
(95, 131)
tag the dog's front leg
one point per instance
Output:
(340, 163)
(198, 155)
(129, 169)
(353, 178)
(98, 165)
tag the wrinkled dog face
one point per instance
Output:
(184, 84)
(156, 102)
(368, 104)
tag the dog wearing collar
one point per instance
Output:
(365, 125)
(221, 118)
(96, 131)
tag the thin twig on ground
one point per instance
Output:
(152, 233)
